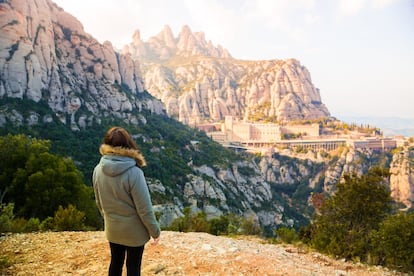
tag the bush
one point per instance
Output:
(8, 223)
(219, 226)
(6, 217)
(198, 223)
(69, 219)
(393, 243)
(19, 225)
(359, 205)
(250, 227)
(287, 235)
(47, 224)
(5, 262)
(32, 225)
(190, 222)
(223, 225)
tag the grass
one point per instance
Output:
(5, 262)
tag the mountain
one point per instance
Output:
(200, 83)
(45, 55)
(58, 83)
(164, 46)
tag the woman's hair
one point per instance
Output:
(119, 137)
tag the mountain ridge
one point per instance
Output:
(198, 84)
(54, 75)
(164, 45)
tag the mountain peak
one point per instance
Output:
(164, 45)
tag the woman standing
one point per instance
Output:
(123, 198)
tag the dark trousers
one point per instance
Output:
(133, 260)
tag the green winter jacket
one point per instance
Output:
(123, 198)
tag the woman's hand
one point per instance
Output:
(155, 241)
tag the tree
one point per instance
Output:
(359, 205)
(38, 182)
(393, 243)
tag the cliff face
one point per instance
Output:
(46, 55)
(201, 83)
(402, 177)
(165, 46)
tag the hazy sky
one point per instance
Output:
(360, 53)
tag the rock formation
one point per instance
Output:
(164, 46)
(45, 55)
(201, 83)
(402, 177)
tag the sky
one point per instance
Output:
(360, 53)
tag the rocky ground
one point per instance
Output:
(87, 253)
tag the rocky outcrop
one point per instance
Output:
(402, 177)
(352, 161)
(45, 55)
(165, 46)
(200, 83)
(240, 190)
(249, 188)
(348, 162)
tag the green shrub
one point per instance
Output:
(359, 205)
(19, 225)
(8, 222)
(5, 263)
(287, 235)
(32, 225)
(181, 224)
(393, 243)
(249, 226)
(190, 222)
(198, 223)
(69, 219)
(234, 225)
(219, 226)
(47, 224)
(6, 217)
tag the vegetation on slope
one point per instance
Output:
(360, 222)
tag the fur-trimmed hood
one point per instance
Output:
(135, 154)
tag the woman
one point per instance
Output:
(124, 201)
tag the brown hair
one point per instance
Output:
(118, 141)
(119, 137)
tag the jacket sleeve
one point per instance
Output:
(142, 200)
(96, 191)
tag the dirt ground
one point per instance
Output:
(87, 253)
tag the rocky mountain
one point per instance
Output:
(51, 71)
(45, 55)
(201, 83)
(165, 46)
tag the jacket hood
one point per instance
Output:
(119, 151)
(113, 165)
(116, 160)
